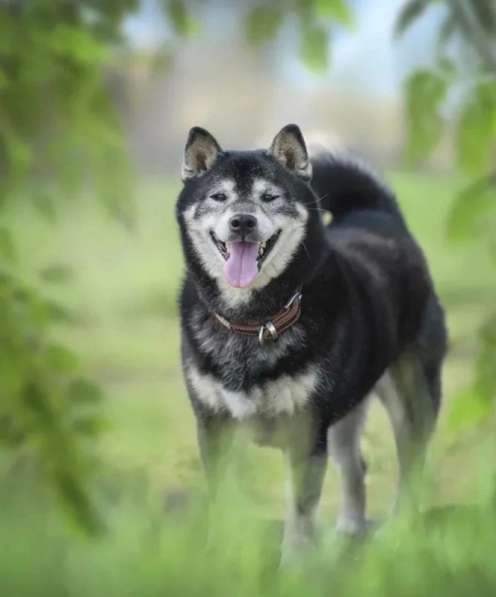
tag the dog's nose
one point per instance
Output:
(242, 223)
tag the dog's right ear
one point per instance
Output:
(200, 153)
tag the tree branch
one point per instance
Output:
(471, 28)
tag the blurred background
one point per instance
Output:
(101, 487)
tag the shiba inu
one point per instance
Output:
(290, 324)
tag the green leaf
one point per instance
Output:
(486, 360)
(83, 391)
(447, 30)
(425, 92)
(337, 10)
(476, 130)
(90, 425)
(314, 48)
(485, 12)
(4, 81)
(19, 155)
(45, 205)
(409, 14)
(61, 359)
(77, 44)
(58, 273)
(475, 405)
(471, 209)
(262, 24)
(60, 313)
(7, 246)
(11, 434)
(75, 498)
(180, 18)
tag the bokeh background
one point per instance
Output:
(101, 486)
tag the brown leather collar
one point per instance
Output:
(272, 328)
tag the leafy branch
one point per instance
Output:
(264, 20)
(471, 25)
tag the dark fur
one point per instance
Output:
(368, 297)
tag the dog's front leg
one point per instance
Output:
(307, 466)
(215, 434)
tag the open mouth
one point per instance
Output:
(243, 260)
(222, 247)
(263, 248)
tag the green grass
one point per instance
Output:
(123, 294)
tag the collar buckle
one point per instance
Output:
(270, 330)
(267, 332)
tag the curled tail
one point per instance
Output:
(344, 184)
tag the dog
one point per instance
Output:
(289, 324)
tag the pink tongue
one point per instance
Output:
(241, 268)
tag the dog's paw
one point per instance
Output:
(295, 547)
(352, 527)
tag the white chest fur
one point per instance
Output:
(282, 396)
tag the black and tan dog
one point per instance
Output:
(289, 324)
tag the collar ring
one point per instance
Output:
(270, 328)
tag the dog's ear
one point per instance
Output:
(200, 153)
(288, 147)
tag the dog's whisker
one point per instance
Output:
(306, 250)
(319, 199)
(319, 209)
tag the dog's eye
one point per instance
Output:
(218, 197)
(268, 197)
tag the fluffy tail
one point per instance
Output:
(343, 184)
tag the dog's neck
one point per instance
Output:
(257, 303)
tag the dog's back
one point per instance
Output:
(367, 225)
(384, 261)
(345, 185)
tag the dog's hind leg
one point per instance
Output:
(344, 449)
(410, 396)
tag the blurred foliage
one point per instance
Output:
(59, 132)
(180, 17)
(314, 18)
(425, 91)
(464, 71)
(263, 21)
(446, 552)
(47, 412)
(57, 121)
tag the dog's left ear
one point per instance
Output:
(288, 147)
(200, 153)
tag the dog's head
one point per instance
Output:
(245, 215)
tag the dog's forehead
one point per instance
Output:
(240, 171)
